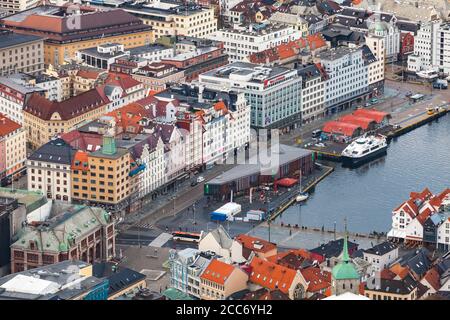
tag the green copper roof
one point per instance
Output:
(345, 269)
(109, 145)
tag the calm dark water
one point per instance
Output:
(367, 195)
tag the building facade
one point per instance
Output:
(48, 170)
(20, 53)
(265, 90)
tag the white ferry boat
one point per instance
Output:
(364, 149)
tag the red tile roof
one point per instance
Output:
(409, 207)
(437, 200)
(399, 271)
(7, 126)
(80, 161)
(125, 81)
(317, 279)
(255, 244)
(344, 128)
(217, 271)
(271, 275)
(422, 196)
(44, 109)
(433, 278)
(424, 215)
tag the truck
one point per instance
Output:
(226, 212)
(440, 84)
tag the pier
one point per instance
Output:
(308, 187)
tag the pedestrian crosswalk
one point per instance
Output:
(144, 225)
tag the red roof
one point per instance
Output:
(422, 196)
(424, 215)
(317, 279)
(409, 207)
(286, 182)
(7, 125)
(42, 108)
(376, 115)
(433, 278)
(271, 275)
(80, 161)
(217, 271)
(255, 244)
(344, 128)
(125, 81)
(437, 200)
(363, 122)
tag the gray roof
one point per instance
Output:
(222, 237)
(54, 151)
(60, 274)
(381, 249)
(10, 39)
(286, 154)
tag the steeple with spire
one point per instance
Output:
(345, 277)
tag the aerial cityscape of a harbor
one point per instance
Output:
(232, 150)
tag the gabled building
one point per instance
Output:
(219, 280)
(380, 256)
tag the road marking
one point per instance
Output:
(161, 240)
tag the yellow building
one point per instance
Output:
(44, 119)
(103, 176)
(67, 31)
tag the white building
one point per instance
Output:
(49, 170)
(225, 125)
(380, 256)
(220, 242)
(390, 33)
(13, 97)
(347, 77)
(313, 93)
(51, 85)
(225, 7)
(425, 47)
(265, 90)
(242, 41)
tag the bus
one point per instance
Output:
(187, 236)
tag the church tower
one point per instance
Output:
(344, 276)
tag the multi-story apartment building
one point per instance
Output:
(186, 266)
(14, 6)
(68, 29)
(79, 233)
(13, 151)
(156, 76)
(103, 177)
(45, 119)
(225, 124)
(313, 93)
(347, 80)
(51, 85)
(48, 170)
(13, 97)
(375, 72)
(20, 53)
(169, 18)
(426, 46)
(291, 19)
(265, 89)
(242, 41)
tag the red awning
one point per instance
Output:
(287, 182)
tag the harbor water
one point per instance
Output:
(367, 195)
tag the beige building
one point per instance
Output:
(386, 289)
(168, 19)
(46, 119)
(12, 147)
(220, 280)
(48, 170)
(20, 53)
(14, 6)
(156, 75)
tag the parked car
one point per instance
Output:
(194, 183)
(316, 133)
(200, 179)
